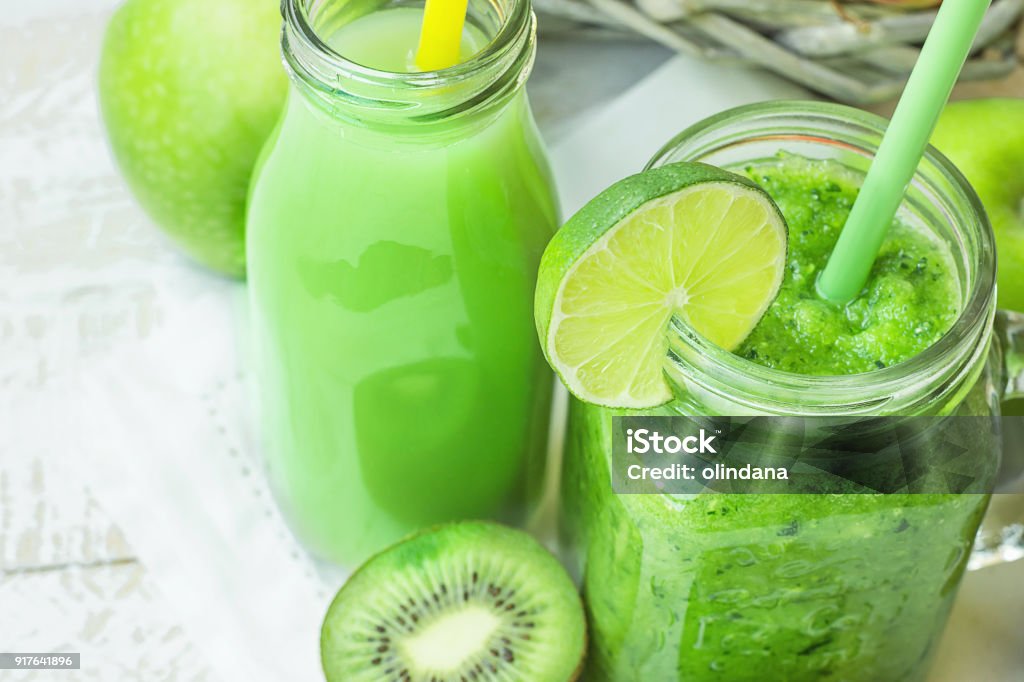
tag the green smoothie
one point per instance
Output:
(392, 265)
(910, 301)
(795, 588)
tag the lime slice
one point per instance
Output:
(685, 239)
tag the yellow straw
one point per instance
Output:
(441, 36)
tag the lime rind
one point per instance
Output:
(686, 239)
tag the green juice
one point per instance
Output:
(386, 40)
(748, 588)
(392, 270)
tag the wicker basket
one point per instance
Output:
(857, 52)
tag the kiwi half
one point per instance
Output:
(465, 602)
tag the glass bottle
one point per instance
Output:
(395, 225)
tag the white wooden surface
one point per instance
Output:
(68, 577)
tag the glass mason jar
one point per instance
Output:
(395, 226)
(790, 586)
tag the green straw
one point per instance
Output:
(942, 58)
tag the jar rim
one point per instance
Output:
(962, 343)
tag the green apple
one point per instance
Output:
(985, 139)
(189, 91)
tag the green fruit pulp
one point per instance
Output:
(911, 299)
(462, 597)
(190, 90)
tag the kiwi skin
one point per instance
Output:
(437, 562)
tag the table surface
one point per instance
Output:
(72, 577)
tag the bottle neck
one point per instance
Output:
(374, 98)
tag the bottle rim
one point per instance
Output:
(502, 64)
